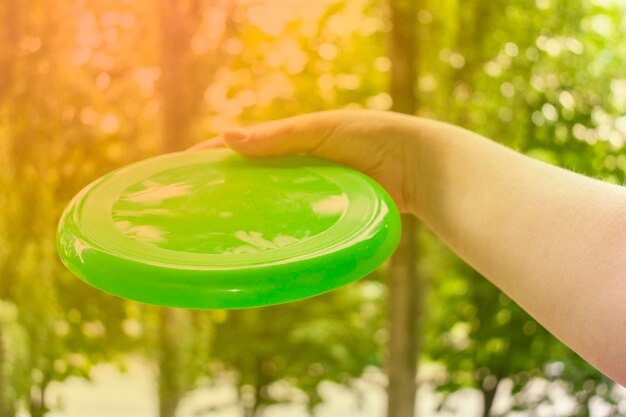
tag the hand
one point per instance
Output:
(376, 143)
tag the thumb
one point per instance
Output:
(289, 136)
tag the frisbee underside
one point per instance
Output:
(212, 229)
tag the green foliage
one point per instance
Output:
(82, 91)
(13, 359)
(330, 337)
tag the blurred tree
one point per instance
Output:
(512, 79)
(192, 42)
(13, 360)
(32, 277)
(406, 289)
(9, 16)
(179, 340)
(328, 337)
(184, 76)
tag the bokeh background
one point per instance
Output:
(87, 86)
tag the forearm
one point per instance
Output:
(553, 240)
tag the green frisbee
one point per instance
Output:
(212, 229)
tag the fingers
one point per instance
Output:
(294, 135)
(217, 142)
(345, 137)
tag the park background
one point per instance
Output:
(88, 86)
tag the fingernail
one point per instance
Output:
(236, 135)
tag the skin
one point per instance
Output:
(552, 240)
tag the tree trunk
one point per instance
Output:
(405, 292)
(37, 405)
(169, 391)
(175, 68)
(176, 29)
(7, 406)
(9, 43)
(260, 396)
(404, 309)
(403, 54)
(489, 395)
(248, 411)
(181, 87)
